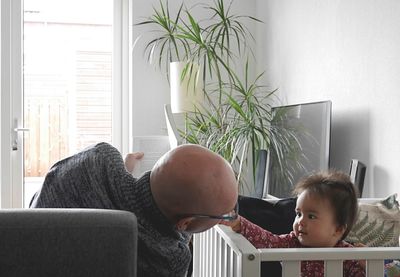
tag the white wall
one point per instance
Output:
(150, 87)
(346, 51)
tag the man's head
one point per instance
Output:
(192, 180)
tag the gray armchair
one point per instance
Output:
(67, 242)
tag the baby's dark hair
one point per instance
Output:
(337, 188)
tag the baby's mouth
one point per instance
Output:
(301, 233)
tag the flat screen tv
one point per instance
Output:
(305, 130)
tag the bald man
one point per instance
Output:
(189, 190)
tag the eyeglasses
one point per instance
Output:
(226, 217)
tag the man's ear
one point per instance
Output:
(183, 223)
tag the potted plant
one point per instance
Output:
(235, 117)
(179, 37)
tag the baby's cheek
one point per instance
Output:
(295, 225)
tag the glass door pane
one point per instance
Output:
(67, 52)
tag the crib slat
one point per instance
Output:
(223, 259)
(219, 254)
(208, 260)
(290, 268)
(235, 265)
(374, 268)
(228, 262)
(334, 268)
(214, 255)
(196, 256)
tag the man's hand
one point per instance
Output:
(131, 159)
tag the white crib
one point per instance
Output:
(220, 252)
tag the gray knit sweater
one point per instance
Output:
(96, 178)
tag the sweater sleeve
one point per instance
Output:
(93, 178)
(262, 238)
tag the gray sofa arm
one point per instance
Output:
(67, 242)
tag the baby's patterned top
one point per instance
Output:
(262, 238)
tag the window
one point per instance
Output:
(75, 83)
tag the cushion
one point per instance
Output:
(275, 217)
(377, 224)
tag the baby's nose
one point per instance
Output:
(302, 221)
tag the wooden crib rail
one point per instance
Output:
(220, 252)
(333, 258)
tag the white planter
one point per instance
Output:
(186, 93)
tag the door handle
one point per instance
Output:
(21, 129)
(14, 142)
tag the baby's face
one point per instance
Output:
(315, 224)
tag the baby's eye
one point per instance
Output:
(311, 216)
(298, 214)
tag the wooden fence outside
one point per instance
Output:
(65, 116)
(48, 140)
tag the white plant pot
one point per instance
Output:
(186, 93)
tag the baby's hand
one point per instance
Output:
(359, 244)
(234, 224)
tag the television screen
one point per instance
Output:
(303, 134)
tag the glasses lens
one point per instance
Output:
(232, 215)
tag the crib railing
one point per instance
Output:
(220, 252)
(333, 258)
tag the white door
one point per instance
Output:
(64, 86)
